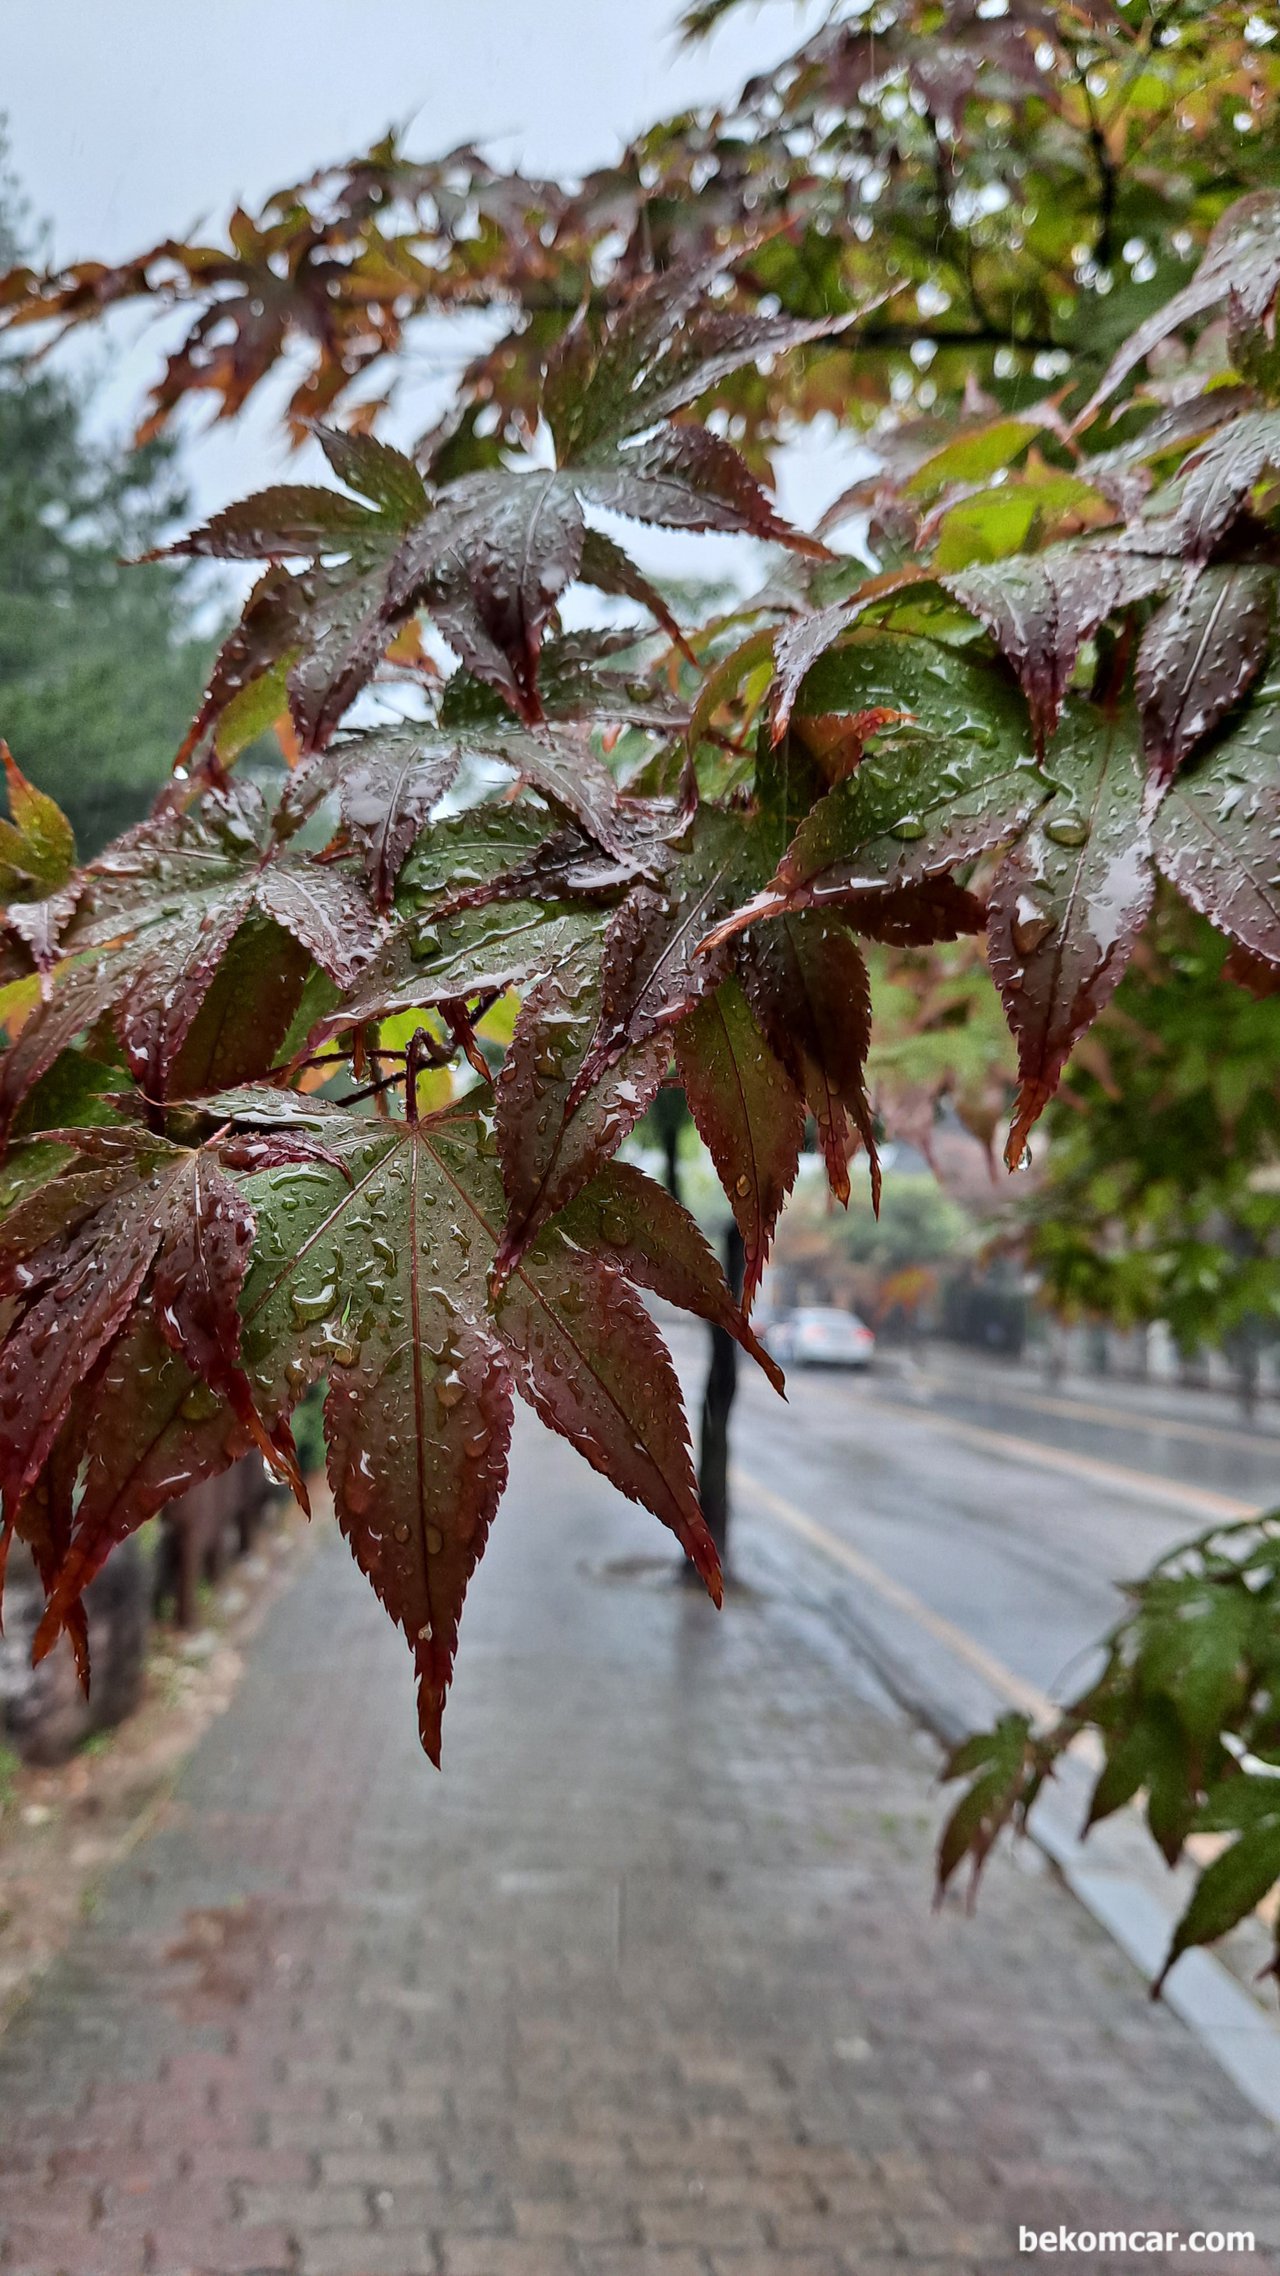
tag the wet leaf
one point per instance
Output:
(917, 915)
(1067, 905)
(490, 562)
(1227, 1890)
(656, 1243)
(807, 983)
(37, 845)
(1005, 1772)
(667, 346)
(490, 553)
(149, 1430)
(551, 1142)
(1041, 608)
(375, 1269)
(1241, 257)
(688, 478)
(749, 1115)
(1218, 477)
(1199, 655)
(925, 799)
(801, 645)
(477, 952)
(157, 914)
(1215, 834)
(148, 1230)
(389, 784)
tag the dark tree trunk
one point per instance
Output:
(717, 1401)
(670, 1114)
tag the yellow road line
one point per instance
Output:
(1202, 1848)
(1117, 1418)
(935, 1624)
(1146, 1485)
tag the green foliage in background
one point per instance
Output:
(1161, 1190)
(100, 667)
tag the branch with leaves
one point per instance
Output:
(332, 1084)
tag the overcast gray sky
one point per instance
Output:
(137, 118)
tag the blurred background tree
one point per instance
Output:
(1160, 1193)
(101, 664)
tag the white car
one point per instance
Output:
(821, 1336)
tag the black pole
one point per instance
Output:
(717, 1400)
(670, 1114)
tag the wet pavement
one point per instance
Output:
(647, 1983)
(1008, 1509)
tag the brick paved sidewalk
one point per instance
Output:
(646, 1985)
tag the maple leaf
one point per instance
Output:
(924, 799)
(375, 1269)
(552, 1141)
(1199, 655)
(490, 561)
(807, 983)
(477, 952)
(576, 683)
(285, 278)
(37, 845)
(564, 765)
(668, 345)
(800, 646)
(1214, 834)
(155, 917)
(1217, 478)
(1040, 608)
(915, 916)
(327, 625)
(748, 1112)
(1067, 905)
(1242, 257)
(653, 967)
(389, 784)
(146, 1229)
(148, 1430)
(491, 553)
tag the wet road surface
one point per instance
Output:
(1007, 1511)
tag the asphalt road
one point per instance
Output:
(984, 1519)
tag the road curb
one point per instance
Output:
(1242, 2038)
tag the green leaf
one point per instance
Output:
(1232, 1886)
(926, 797)
(37, 847)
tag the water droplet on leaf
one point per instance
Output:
(1031, 925)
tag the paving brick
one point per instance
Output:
(203, 2249)
(301, 2210)
(377, 2168)
(252, 2168)
(644, 2260)
(24, 2203)
(37, 2254)
(773, 2263)
(354, 2252)
(646, 1985)
(504, 2256)
(563, 2221)
(693, 2222)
